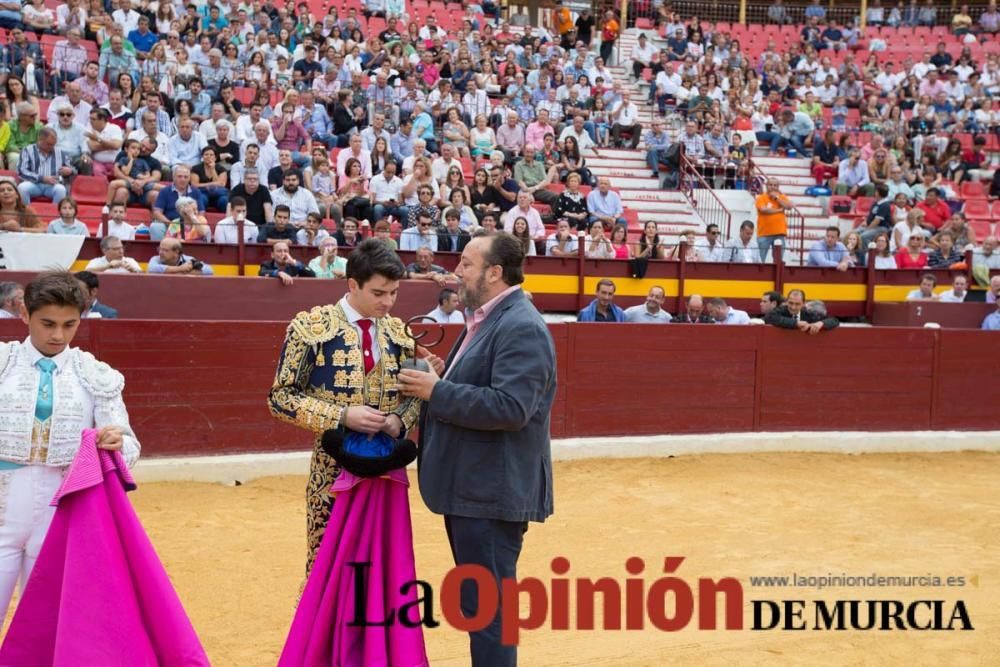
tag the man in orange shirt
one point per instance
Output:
(562, 24)
(771, 221)
(609, 35)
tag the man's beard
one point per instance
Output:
(473, 298)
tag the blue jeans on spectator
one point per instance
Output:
(654, 158)
(29, 190)
(765, 137)
(661, 101)
(9, 19)
(328, 140)
(399, 212)
(795, 141)
(869, 235)
(217, 197)
(765, 243)
(618, 221)
(302, 160)
(591, 129)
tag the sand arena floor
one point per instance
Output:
(236, 553)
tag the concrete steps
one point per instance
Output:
(629, 174)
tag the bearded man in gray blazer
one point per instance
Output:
(485, 457)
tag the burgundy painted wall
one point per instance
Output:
(190, 298)
(201, 387)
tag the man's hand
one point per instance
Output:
(418, 384)
(815, 328)
(286, 279)
(65, 171)
(393, 425)
(802, 325)
(364, 419)
(110, 438)
(436, 362)
(50, 180)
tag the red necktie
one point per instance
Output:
(366, 344)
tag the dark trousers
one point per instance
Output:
(607, 48)
(496, 546)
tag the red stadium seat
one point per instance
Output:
(982, 228)
(45, 210)
(842, 202)
(90, 189)
(973, 190)
(92, 217)
(863, 205)
(977, 209)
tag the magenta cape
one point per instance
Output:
(98, 594)
(370, 523)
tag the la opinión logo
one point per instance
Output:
(668, 603)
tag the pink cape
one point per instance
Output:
(98, 594)
(370, 523)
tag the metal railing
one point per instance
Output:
(708, 205)
(714, 11)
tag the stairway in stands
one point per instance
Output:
(630, 175)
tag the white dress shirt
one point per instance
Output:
(629, 113)
(440, 317)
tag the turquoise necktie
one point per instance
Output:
(43, 404)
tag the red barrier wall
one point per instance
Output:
(201, 387)
(189, 298)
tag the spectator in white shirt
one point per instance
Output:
(524, 209)
(447, 311)
(116, 225)
(300, 201)
(421, 235)
(743, 249)
(386, 191)
(957, 293)
(267, 157)
(113, 259)
(104, 141)
(227, 229)
(563, 242)
(642, 55)
(576, 130)
(624, 118)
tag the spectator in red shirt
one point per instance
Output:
(936, 211)
(912, 256)
(974, 158)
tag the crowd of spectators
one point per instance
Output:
(264, 120)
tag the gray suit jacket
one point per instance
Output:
(485, 450)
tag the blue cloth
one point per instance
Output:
(992, 322)
(377, 446)
(166, 200)
(143, 43)
(589, 314)
(822, 255)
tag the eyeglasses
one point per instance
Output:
(66, 114)
(425, 225)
